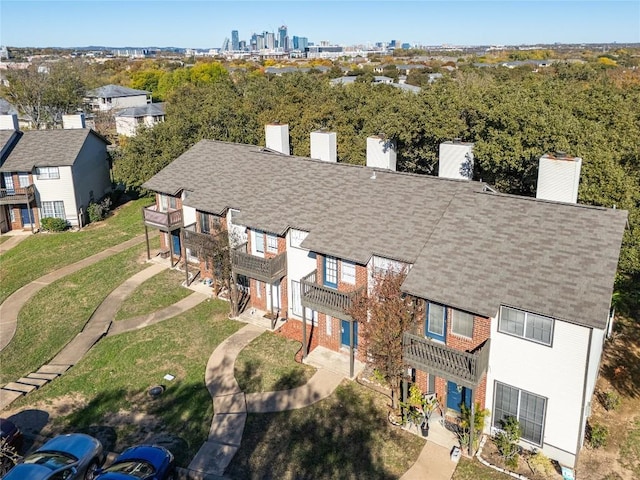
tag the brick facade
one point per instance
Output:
(15, 209)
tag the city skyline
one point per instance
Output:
(206, 24)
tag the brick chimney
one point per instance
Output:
(277, 138)
(324, 146)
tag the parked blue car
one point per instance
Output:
(144, 462)
(74, 456)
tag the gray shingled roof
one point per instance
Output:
(142, 111)
(114, 91)
(471, 250)
(46, 148)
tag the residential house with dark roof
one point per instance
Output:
(51, 173)
(516, 291)
(128, 120)
(110, 97)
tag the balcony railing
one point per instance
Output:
(199, 243)
(327, 300)
(17, 195)
(464, 368)
(264, 269)
(167, 221)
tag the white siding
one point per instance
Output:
(455, 160)
(597, 343)
(121, 102)
(60, 189)
(556, 373)
(126, 126)
(237, 233)
(188, 214)
(558, 178)
(300, 262)
(91, 176)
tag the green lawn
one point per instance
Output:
(346, 436)
(113, 379)
(268, 363)
(59, 311)
(158, 292)
(42, 253)
(4, 238)
(472, 469)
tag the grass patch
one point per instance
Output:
(472, 469)
(158, 292)
(114, 377)
(344, 436)
(42, 253)
(268, 364)
(60, 310)
(3, 238)
(630, 449)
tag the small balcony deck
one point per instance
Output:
(165, 221)
(10, 196)
(464, 368)
(327, 300)
(267, 270)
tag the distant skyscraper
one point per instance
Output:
(270, 40)
(235, 40)
(282, 37)
(300, 43)
(225, 45)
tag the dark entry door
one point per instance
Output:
(456, 395)
(175, 238)
(25, 216)
(346, 334)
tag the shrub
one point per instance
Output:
(507, 439)
(610, 400)
(97, 211)
(465, 424)
(540, 464)
(598, 435)
(52, 224)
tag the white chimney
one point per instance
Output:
(455, 160)
(324, 146)
(558, 177)
(73, 121)
(277, 137)
(381, 153)
(9, 122)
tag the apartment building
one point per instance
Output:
(516, 290)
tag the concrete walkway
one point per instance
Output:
(11, 307)
(14, 240)
(434, 463)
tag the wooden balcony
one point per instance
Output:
(267, 270)
(165, 221)
(17, 195)
(325, 299)
(463, 368)
(198, 242)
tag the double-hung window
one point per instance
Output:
(436, 326)
(53, 209)
(272, 243)
(331, 272)
(23, 180)
(348, 272)
(529, 409)
(205, 223)
(258, 241)
(48, 173)
(527, 325)
(462, 323)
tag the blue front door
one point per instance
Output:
(175, 238)
(25, 216)
(346, 334)
(457, 395)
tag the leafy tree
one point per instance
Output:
(384, 315)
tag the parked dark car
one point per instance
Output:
(74, 456)
(11, 444)
(143, 462)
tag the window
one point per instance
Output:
(436, 317)
(48, 173)
(331, 271)
(527, 408)
(258, 241)
(272, 243)
(205, 224)
(8, 183)
(462, 323)
(348, 273)
(23, 180)
(173, 202)
(526, 325)
(296, 237)
(296, 307)
(233, 215)
(53, 209)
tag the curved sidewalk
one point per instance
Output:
(230, 404)
(11, 307)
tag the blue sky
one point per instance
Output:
(205, 24)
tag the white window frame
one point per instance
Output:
(23, 180)
(8, 182)
(272, 243)
(518, 414)
(53, 209)
(48, 173)
(330, 270)
(459, 323)
(296, 298)
(348, 272)
(296, 237)
(528, 328)
(439, 318)
(258, 241)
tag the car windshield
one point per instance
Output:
(136, 468)
(51, 460)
